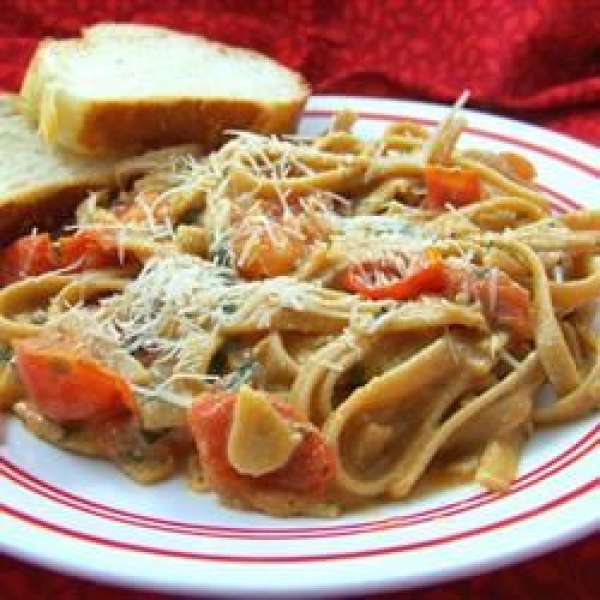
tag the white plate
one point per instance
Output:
(81, 517)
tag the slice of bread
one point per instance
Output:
(130, 87)
(40, 186)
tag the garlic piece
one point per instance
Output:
(260, 440)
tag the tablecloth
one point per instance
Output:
(536, 60)
(570, 574)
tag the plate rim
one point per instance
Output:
(484, 564)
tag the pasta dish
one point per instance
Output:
(304, 325)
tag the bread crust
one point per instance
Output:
(126, 126)
(45, 208)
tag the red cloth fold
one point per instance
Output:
(537, 60)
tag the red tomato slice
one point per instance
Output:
(308, 473)
(27, 256)
(451, 185)
(36, 254)
(430, 279)
(88, 250)
(505, 302)
(67, 387)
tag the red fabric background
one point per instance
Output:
(537, 60)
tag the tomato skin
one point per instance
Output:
(507, 305)
(519, 165)
(308, 473)
(429, 279)
(278, 234)
(27, 256)
(88, 250)
(266, 257)
(450, 185)
(67, 387)
(504, 302)
(33, 255)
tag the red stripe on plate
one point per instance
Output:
(541, 473)
(306, 558)
(562, 199)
